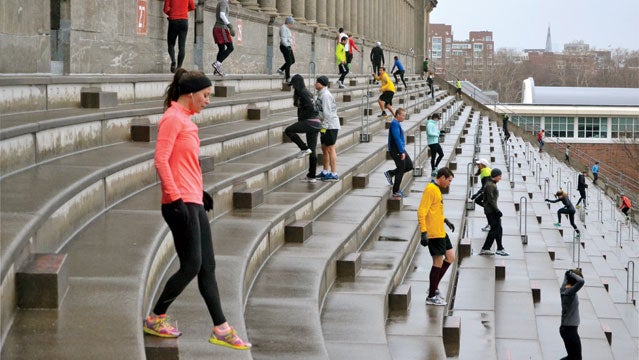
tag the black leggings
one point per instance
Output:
(435, 149)
(289, 59)
(224, 50)
(194, 246)
(311, 138)
(177, 30)
(495, 233)
(571, 216)
(572, 342)
(401, 167)
(401, 74)
(582, 196)
(343, 71)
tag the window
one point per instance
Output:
(488, 38)
(458, 52)
(527, 122)
(593, 127)
(436, 40)
(478, 47)
(449, 40)
(448, 48)
(436, 54)
(627, 128)
(560, 126)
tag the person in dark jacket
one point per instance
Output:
(505, 127)
(377, 57)
(308, 122)
(581, 187)
(429, 81)
(493, 214)
(573, 282)
(568, 209)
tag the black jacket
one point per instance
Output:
(491, 194)
(377, 55)
(581, 182)
(303, 100)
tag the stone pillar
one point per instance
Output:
(284, 8)
(299, 11)
(320, 13)
(339, 13)
(250, 4)
(330, 13)
(421, 22)
(354, 29)
(268, 7)
(311, 13)
(362, 18)
(347, 16)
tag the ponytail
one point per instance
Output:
(173, 90)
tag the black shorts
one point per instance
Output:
(439, 246)
(329, 138)
(387, 97)
(458, 91)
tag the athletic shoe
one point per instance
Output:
(486, 252)
(435, 301)
(341, 85)
(389, 177)
(399, 194)
(173, 67)
(307, 179)
(383, 114)
(330, 177)
(486, 228)
(230, 339)
(433, 173)
(304, 153)
(501, 252)
(160, 326)
(578, 206)
(321, 175)
(280, 71)
(217, 67)
(557, 224)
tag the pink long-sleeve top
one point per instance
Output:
(177, 156)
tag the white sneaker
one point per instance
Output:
(486, 252)
(435, 301)
(304, 153)
(486, 228)
(280, 71)
(307, 179)
(502, 252)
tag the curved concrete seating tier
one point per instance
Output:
(140, 203)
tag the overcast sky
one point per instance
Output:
(523, 24)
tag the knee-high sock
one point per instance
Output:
(444, 267)
(434, 280)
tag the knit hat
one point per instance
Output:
(482, 162)
(323, 80)
(496, 172)
(289, 20)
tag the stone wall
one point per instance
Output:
(24, 36)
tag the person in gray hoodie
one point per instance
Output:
(286, 47)
(327, 109)
(573, 282)
(432, 134)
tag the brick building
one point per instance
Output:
(460, 57)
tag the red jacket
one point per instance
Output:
(178, 9)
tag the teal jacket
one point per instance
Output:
(432, 132)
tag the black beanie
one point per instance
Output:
(189, 84)
(496, 172)
(323, 80)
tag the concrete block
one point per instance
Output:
(368, 111)
(535, 289)
(412, 97)
(247, 198)
(394, 203)
(410, 139)
(458, 150)
(401, 100)
(500, 270)
(360, 181)
(207, 163)
(224, 91)
(347, 98)
(422, 127)
(492, 148)
(95, 98)
(608, 332)
(606, 284)
(399, 299)
(257, 113)
(342, 120)
(144, 132)
(452, 165)
(157, 348)
(492, 158)
(516, 206)
(464, 249)
(42, 282)
(348, 266)
(538, 219)
(298, 231)
(286, 87)
(352, 82)
(551, 254)
(451, 334)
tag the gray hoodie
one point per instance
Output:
(286, 38)
(327, 109)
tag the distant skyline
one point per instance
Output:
(523, 24)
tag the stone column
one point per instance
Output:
(268, 7)
(284, 8)
(250, 4)
(354, 29)
(330, 13)
(421, 23)
(362, 18)
(339, 13)
(320, 13)
(347, 16)
(311, 13)
(299, 11)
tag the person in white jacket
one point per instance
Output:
(286, 47)
(327, 108)
(432, 134)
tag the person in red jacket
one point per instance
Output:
(626, 204)
(178, 13)
(184, 207)
(350, 46)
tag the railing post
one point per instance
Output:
(364, 135)
(523, 213)
(630, 276)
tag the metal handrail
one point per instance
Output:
(628, 282)
(523, 213)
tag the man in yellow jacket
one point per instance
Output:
(340, 59)
(385, 100)
(430, 215)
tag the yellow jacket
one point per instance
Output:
(340, 54)
(387, 84)
(430, 213)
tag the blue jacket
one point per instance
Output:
(398, 65)
(432, 132)
(396, 137)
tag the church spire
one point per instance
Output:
(548, 41)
